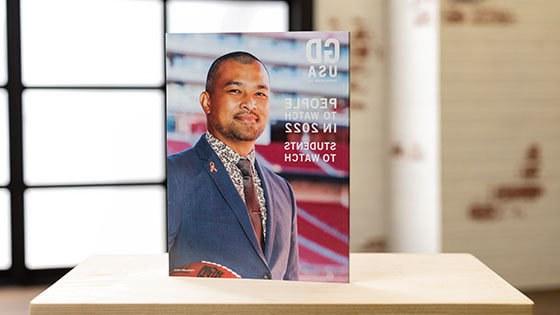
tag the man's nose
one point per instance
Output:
(248, 102)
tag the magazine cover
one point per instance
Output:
(258, 155)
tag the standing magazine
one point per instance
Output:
(258, 155)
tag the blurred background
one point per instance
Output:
(455, 128)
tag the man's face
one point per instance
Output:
(237, 106)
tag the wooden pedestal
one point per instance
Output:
(380, 284)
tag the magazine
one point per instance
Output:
(258, 155)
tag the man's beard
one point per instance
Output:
(236, 131)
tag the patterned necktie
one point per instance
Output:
(251, 200)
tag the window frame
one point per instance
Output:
(300, 15)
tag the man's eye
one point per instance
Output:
(261, 94)
(234, 91)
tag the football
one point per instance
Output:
(205, 269)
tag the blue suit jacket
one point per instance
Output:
(208, 220)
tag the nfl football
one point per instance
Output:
(205, 269)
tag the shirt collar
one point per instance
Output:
(225, 153)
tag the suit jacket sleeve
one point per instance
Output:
(173, 209)
(293, 260)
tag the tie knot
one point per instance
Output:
(244, 166)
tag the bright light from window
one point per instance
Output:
(227, 16)
(65, 226)
(93, 136)
(3, 54)
(92, 42)
(4, 140)
(5, 231)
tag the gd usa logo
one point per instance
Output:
(323, 57)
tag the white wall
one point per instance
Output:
(501, 136)
(366, 21)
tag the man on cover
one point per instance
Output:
(224, 206)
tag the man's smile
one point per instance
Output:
(246, 117)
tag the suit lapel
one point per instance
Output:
(221, 179)
(270, 224)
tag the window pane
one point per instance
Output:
(4, 140)
(93, 136)
(3, 53)
(89, 42)
(227, 16)
(5, 231)
(65, 226)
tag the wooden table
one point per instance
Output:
(380, 284)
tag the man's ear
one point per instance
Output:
(204, 100)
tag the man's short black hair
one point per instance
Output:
(239, 56)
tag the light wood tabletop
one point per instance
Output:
(380, 283)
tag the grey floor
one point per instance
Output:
(546, 302)
(15, 300)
